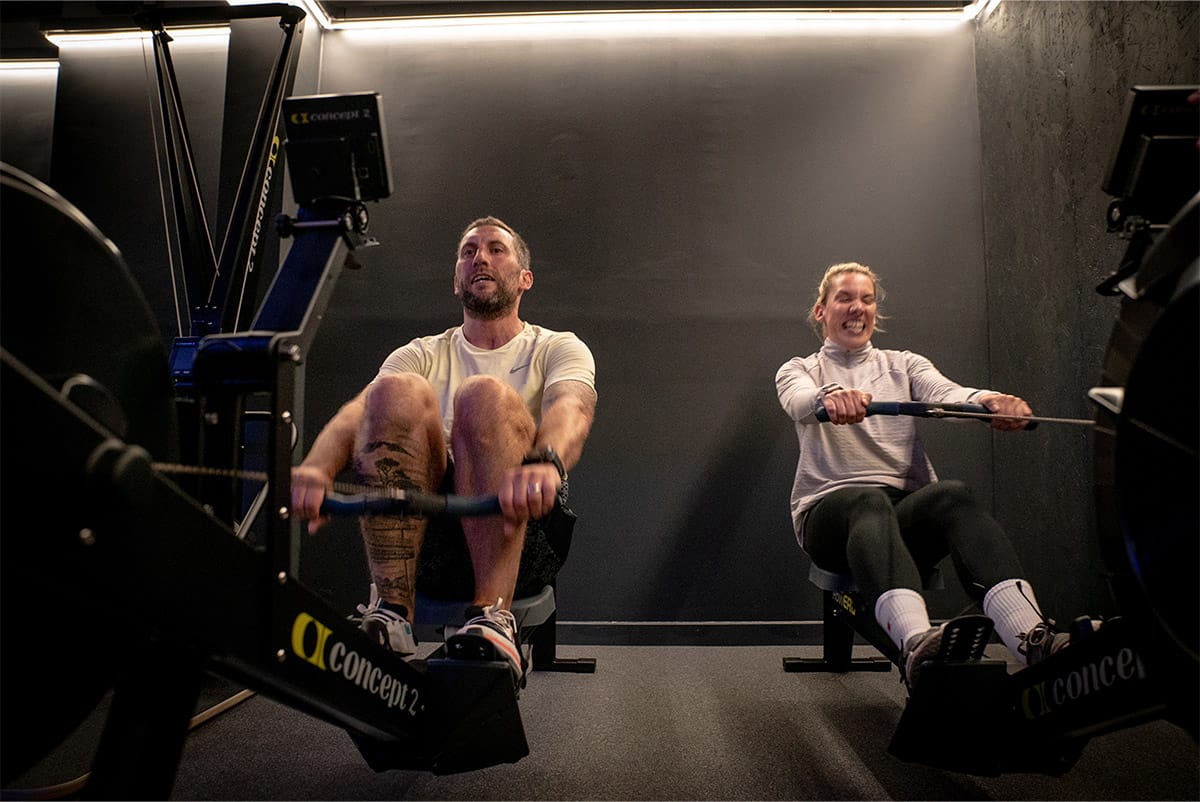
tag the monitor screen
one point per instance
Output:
(1156, 167)
(337, 147)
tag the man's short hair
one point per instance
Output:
(518, 241)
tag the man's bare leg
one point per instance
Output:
(492, 433)
(400, 444)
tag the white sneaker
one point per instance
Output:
(491, 635)
(390, 629)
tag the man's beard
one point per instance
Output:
(497, 306)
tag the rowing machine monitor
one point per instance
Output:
(337, 147)
(1156, 167)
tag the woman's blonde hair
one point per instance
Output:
(823, 289)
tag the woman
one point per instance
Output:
(866, 499)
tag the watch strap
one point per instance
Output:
(545, 454)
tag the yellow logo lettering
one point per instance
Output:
(299, 627)
(1033, 700)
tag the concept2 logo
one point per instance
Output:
(262, 202)
(306, 117)
(1080, 683)
(333, 655)
(846, 601)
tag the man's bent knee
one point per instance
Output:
(484, 402)
(401, 396)
(483, 390)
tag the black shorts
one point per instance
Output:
(444, 568)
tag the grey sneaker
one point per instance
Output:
(919, 650)
(387, 627)
(1042, 641)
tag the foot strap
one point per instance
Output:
(965, 638)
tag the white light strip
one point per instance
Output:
(29, 65)
(34, 71)
(201, 35)
(737, 21)
(651, 23)
(313, 10)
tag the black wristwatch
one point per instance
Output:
(545, 454)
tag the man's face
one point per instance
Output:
(488, 279)
(848, 313)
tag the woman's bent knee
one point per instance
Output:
(947, 495)
(865, 500)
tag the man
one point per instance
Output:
(866, 500)
(494, 406)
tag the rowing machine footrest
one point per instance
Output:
(955, 717)
(474, 723)
(965, 638)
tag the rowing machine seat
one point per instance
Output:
(843, 617)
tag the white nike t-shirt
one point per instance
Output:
(529, 362)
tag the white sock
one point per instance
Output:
(902, 613)
(1013, 607)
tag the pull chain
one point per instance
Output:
(175, 468)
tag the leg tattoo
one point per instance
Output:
(392, 542)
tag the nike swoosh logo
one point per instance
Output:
(521, 367)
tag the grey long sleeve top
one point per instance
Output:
(881, 450)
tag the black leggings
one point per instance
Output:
(887, 538)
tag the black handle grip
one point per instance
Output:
(919, 409)
(407, 502)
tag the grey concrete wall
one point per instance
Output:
(1053, 78)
